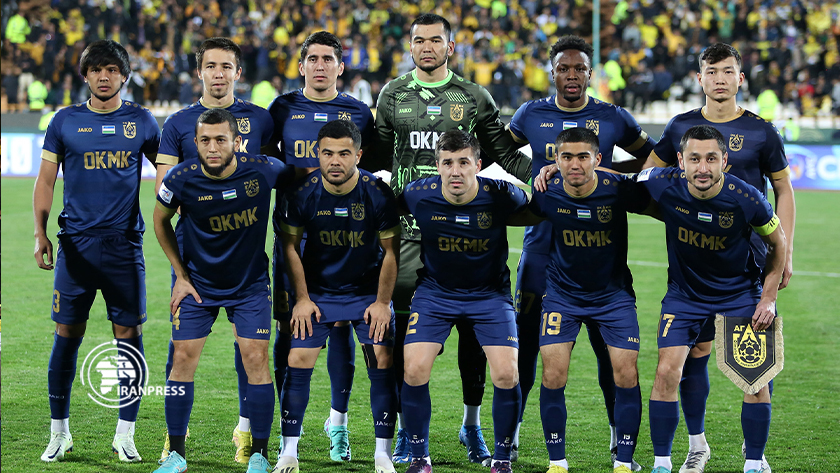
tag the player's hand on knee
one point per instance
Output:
(764, 314)
(378, 316)
(43, 247)
(546, 173)
(182, 288)
(302, 318)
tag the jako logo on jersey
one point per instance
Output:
(546, 125)
(701, 240)
(463, 244)
(222, 223)
(424, 139)
(405, 110)
(203, 198)
(85, 130)
(323, 213)
(586, 239)
(342, 238)
(107, 159)
(263, 331)
(441, 218)
(298, 116)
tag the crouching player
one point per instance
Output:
(588, 281)
(347, 273)
(225, 201)
(462, 219)
(709, 217)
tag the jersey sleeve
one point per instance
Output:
(635, 196)
(403, 203)
(53, 149)
(517, 124)
(664, 153)
(516, 199)
(170, 143)
(496, 140)
(152, 142)
(774, 163)
(387, 219)
(291, 221)
(654, 186)
(372, 159)
(387, 137)
(634, 140)
(267, 129)
(759, 213)
(284, 175)
(169, 194)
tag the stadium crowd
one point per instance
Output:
(649, 47)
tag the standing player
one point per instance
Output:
(588, 281)
(347, 273)
(298, 116)
(99, 145)
(412, 113)
(709, 217)
(536, 122)
(219, 67)
(756, 153)
(464, 279)
(225, 200)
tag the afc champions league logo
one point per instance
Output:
(106, 368)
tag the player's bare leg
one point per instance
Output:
(507, 402)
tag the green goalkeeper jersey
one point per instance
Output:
(411, 115)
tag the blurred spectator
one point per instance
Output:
(641, 86)
(17, 28)
(37, 93)
(768, 103)
(264, 92)
(360, 89)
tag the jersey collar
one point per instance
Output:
(355, 179)
(566, 189)
(225, 175)
(96, 110)
(577, 109)
(738, 114)
(431, 85)
(201, 101)
(314, 99)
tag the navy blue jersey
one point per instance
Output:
(298, 119)
(342, 255)
(224, 221)
(177, 144)
(588, 256)
(538, 122)
(709, 253)
(100, 155)
(464, 247)
(755, 151)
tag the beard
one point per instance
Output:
(712, 182)
(216, 170)
(337, 181)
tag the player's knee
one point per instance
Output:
(122, 331)
(700, 350)
(416, 372)
(626, 376)
(554, 379)
(506, 377)
(668, 373)
(70, 331)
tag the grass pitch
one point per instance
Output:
(806, 413)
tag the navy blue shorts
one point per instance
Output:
(110, 262)
(251, 315)
(530, 287)
(617, 322)
(681, 321)
(433, 315)
(340, 308)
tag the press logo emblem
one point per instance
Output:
(115, 375)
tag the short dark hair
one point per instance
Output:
(102, 53)
(338, 129)
(718, 52)
(432, 19)
(214, 116)
(225, 44)
(703, 133)
(456, 140)
(324, 38)
(578, 135)
(571, 42)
